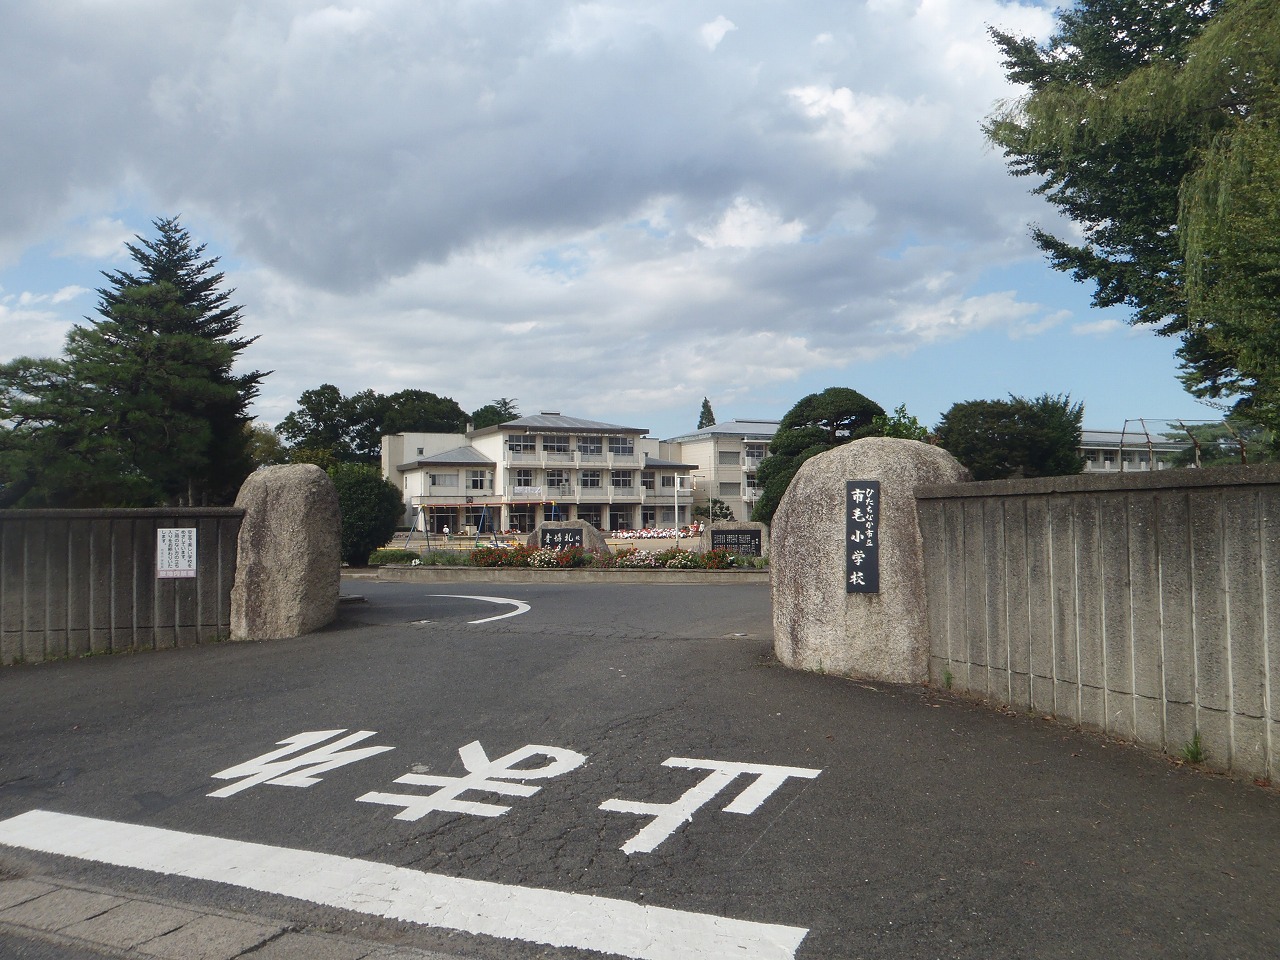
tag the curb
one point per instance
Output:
(410, 574)
(115, 924)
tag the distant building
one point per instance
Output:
(517, 474)
(726, 457)
(1118, 451)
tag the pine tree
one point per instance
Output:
(706, 418)
(208, 313)
(144, 408)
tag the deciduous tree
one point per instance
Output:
(350, 429)
(998, 439)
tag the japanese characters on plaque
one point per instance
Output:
(862, 536)
(555, 539)
(175, 552)
(744, 543)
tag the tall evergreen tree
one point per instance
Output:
(706, 418)
(1121, 190)
(144, 408)
(208, 313)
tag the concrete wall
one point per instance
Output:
(1146, 605)
(84, 581)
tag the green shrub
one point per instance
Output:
(446, 558)
(371, 508)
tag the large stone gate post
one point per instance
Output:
(288, 563)
(818, 624)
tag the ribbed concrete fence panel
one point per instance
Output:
(1143, 604)
(74, 582)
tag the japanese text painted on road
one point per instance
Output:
(304, 756)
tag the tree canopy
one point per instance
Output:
(329, 428)
(1155, 126)
(371, 509)
(494, 413)
(144, 407)
(998, 439)
(816, 423)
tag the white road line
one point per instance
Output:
(474, 906)
(520, 606)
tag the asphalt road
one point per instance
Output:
(883, 821)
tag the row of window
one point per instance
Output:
(560, 443)
(476, 480)
(649, 480)
(625, 479)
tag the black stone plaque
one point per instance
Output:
(555, 539)
(744, 543)
(862, 536)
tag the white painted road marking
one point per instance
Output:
(520, 606)
(483, 774)
(669, 817)
(298, 771)
(473, 906)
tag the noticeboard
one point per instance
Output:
(744, 543)
(862, 536)
(555, 539)
(175, 553)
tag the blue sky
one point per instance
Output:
(610, 209)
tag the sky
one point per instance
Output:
(610, 209)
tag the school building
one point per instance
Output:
(545, 467)
(551, 467)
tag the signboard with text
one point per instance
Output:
(175, 553)
(862, 536)
(568, 537)
(744, 543)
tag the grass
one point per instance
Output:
(1193, 750)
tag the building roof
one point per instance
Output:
(1131, 438)
(653, 463)
(458, 456)
(748, 429)
(556, 423)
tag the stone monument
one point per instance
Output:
(828, 534)
(745, 538)
(288, 560)
(567, 533)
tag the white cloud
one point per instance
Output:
(712, 33)
(859, 126)
(748, 226)
(1098, 328)
(435, 195)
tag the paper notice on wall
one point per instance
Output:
(175, 552)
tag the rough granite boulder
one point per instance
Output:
(592, 539)
(817, 625)
(288, 566)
